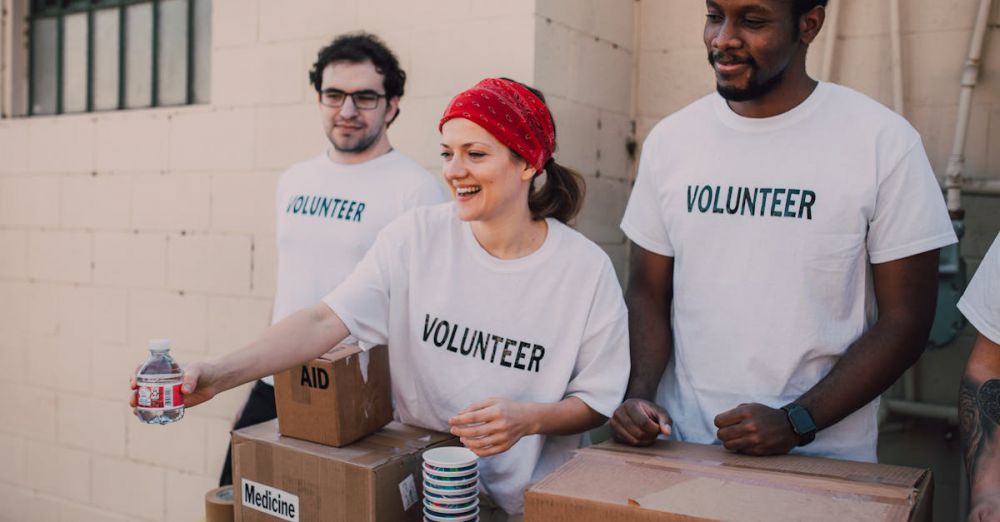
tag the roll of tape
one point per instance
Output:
(219, 505)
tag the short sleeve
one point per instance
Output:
(643, 222)
(362, 300)
(600, 374)
(910, 216)
(981, 302)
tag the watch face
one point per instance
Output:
(801, 420)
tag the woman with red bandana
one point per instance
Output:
(504, 325)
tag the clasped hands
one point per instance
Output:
(753, 429)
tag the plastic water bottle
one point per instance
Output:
(159, 381)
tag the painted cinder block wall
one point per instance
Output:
(117, 227)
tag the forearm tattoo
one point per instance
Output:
(979, 422)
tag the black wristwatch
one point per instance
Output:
(802, 422)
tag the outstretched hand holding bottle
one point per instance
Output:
(298, 338)
(194, 383)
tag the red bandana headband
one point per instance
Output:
(512, 114)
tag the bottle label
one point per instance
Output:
(165, 396)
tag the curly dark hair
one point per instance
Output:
(801, 7)
(358, 48)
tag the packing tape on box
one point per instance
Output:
(219, 505)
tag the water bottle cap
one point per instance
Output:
(159, 345)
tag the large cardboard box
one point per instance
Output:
(337, 398)
(376, 479)
(692, 482)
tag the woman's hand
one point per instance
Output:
(198, 384)
(493, 426)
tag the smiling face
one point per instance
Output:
(354, 131)
(487, 181)
(751, 45)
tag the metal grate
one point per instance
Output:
(92, 55)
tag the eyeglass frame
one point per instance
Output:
(351, 95)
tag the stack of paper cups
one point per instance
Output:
(451, 485)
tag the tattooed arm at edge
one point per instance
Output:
(979, 423)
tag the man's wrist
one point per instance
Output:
(801, 421)
(645, 393)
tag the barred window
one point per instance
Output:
(97, 55)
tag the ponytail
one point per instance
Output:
(562, 194)
(560, 197)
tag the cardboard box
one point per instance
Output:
(336, 399)
(694, 482)
(376, 479)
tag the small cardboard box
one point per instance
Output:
(693, 482)
(376, 479)
(337, 398)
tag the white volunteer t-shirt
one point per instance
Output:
(328, 216)
(772, 224)
(463, 326)
(980, 303)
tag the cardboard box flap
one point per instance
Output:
(393, 440)
(704, 482)
(404, 437)
(711, 455)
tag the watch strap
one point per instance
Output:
(805, 430)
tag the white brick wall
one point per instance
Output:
(57, 255)
(234, 322)
(171, 201)
(60, 363)
(212, 263)
(96, 425)
(130, 259)
(13, 459)
(244, 202)
(23, 504)
(131, 142)
(287, 134)
(188, 486)
(14, 254)
(121, 226)
(179, 446)
(259, 74)
(63, 144)
(234, 22)
(211, 139)
(13, 312)
(29, 201)
(180, 318)
(13, 143)
(58, 471)
(100, 201)
(129, 487)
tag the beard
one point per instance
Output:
(755, 87)
(355, 144)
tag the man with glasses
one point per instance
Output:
(331, 207)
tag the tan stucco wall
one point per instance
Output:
(118, 227)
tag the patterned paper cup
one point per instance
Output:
(451, 499)
(451, 458)
(451, 491)
(450, 472)
(463, 507)
(451, 481)
(444, 517)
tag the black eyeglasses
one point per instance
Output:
(365, 100)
